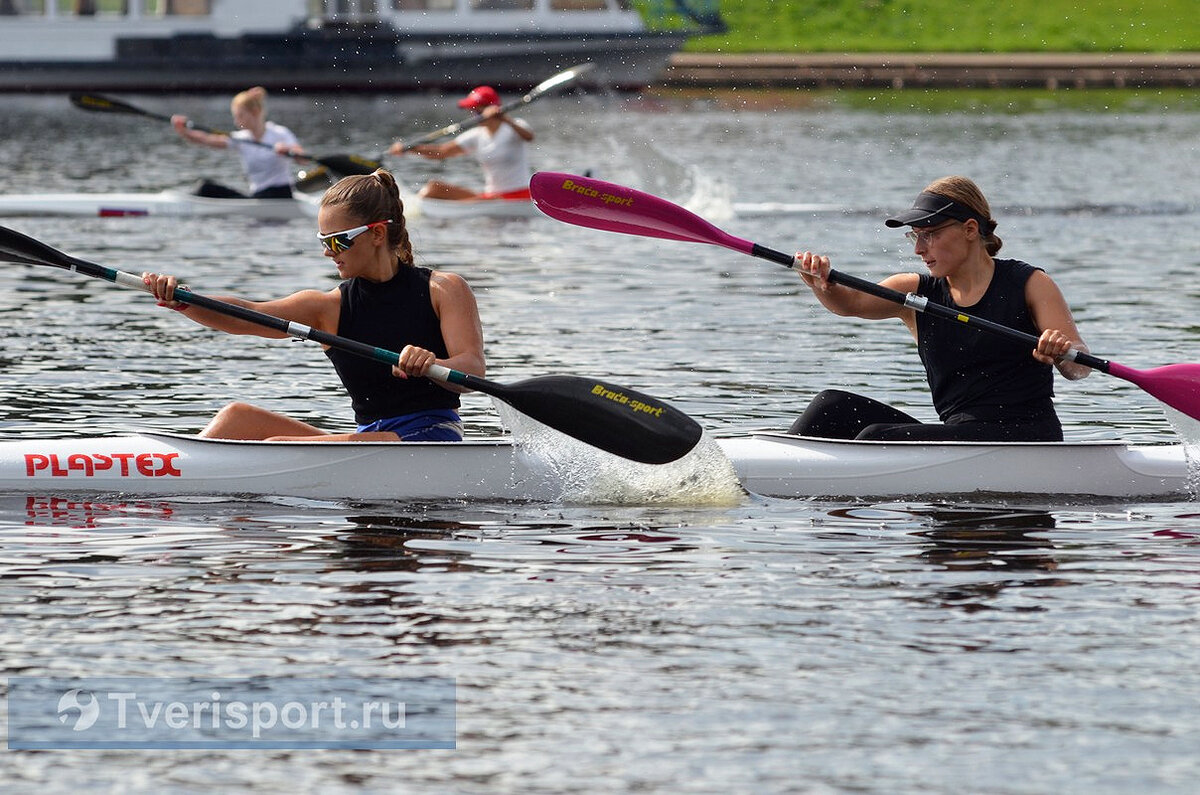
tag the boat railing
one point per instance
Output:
(132, 9)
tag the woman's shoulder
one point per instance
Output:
(1015, 265)
(450, 289)
(1017, 272)
(446, 280)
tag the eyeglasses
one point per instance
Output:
(337, 242)
(927, 236)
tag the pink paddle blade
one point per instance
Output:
(1177, 385)
(597, 204)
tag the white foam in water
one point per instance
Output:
(586, 475)
(711, 199)
(660, 173)
(1188, 429)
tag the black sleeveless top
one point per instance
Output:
(976, 374)
(390, 315)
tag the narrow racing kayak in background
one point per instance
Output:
(178, 203)
(175, 203)
(766, 463)
(418, 207)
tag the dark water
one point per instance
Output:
(763, 646)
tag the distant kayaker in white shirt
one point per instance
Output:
(499, 144)
(268, 171)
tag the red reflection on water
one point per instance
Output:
(42, 511)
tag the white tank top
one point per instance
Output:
(502, 156)
(263, 167)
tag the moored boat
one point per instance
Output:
(348, 45)
(174, 203)
(766, 463)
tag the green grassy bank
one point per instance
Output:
(955, 26)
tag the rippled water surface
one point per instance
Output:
(760, 646)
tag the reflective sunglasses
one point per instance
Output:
(926, 236)
(337, 242)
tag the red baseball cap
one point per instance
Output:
(480, 97)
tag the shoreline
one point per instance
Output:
(932, 70)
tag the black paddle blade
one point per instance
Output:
(18, 247)
(347, 165)
(621, 421)
(314, 179)
(102, 104)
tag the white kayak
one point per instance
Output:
(176, 203)
(766, 463)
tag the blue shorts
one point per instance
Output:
(438, 425)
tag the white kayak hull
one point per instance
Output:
(180, 204)
(783, 465)
(768, 464)
(172, 203)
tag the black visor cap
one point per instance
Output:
(930, 209)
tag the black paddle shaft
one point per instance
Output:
(341, 164)
(621, 421)
(922, 304)
(618, 420)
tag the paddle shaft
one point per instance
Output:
(922, 304)
(351, 162)
(338, 163)
(299, 330)
(621, 421)
(541, 89)
(437, 372)
(616, 208)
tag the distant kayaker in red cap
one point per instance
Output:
(499, 144)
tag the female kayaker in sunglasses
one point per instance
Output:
(984, 387)
(386, 301)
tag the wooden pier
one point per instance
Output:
(933, 70)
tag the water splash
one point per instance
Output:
(710, 197)
(582, 474)
(649, 168)
(1188, 429)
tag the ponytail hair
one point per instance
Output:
(252, 99)
(966, 192)
(370, 198)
